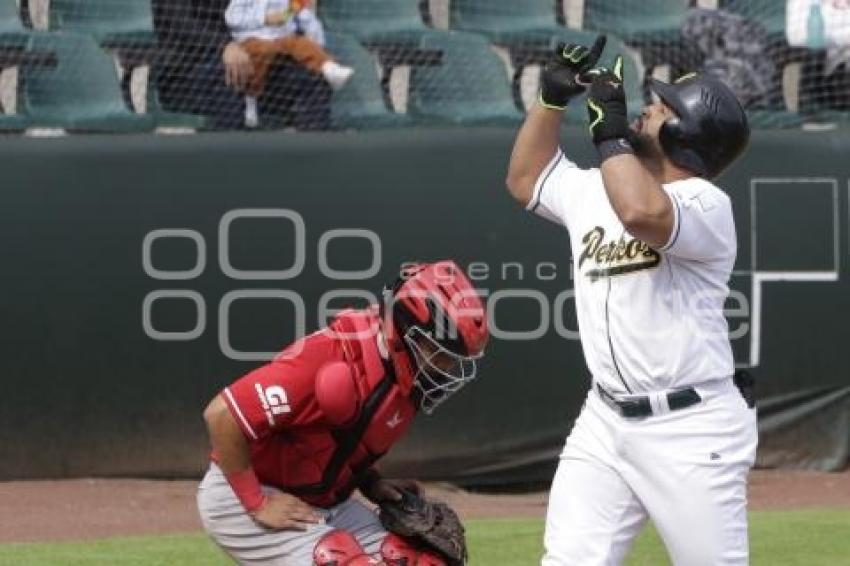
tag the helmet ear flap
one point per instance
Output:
(674, 141)
(671, 138)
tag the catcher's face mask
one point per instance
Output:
(439, 371)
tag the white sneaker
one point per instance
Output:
(336, 75)
(252, 118)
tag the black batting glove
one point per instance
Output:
(606, 104)
(561, 78)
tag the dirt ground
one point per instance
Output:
(95, 508)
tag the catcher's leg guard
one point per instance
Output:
(340, 548)
(396, 551)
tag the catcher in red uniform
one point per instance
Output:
(293, 439)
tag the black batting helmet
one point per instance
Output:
(710, 129)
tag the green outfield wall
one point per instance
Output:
(141, 274)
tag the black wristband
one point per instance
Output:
(610, 148)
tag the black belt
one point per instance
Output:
(637, 406)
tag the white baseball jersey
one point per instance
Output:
(649, 319)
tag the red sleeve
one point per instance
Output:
(279, 394)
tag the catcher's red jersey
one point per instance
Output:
(296, 445)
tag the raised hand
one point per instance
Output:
(562, 77)
(606, 103)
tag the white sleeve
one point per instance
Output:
(556, 190)
(245, 15)
(703, 226)
(313, 28)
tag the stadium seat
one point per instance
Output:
(529, 30)
(839, 117)
(638, 21)
(470, 87)
(82, 91)
(506, 21)
(780, 118)
(14, 37)
(13, 34)
(114, 23)
(770, 13)
(360, 103)
(125, 26)
(164, 119)
(13, 123)
(654, 27)
(375, 21)
(512, 23)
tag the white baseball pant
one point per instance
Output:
(686, 470)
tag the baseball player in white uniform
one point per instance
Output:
(664, 432)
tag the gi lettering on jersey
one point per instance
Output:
(293, 444)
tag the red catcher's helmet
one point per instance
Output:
(436, 330)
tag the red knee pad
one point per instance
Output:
(396, 551)
(340, 548)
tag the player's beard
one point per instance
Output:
(647, 149)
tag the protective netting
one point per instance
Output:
(137, 65)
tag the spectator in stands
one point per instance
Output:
(202, 70)
(735, 50)
(270, 29)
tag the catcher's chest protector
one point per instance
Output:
(326, 464)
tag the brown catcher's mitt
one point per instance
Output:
(430, 523)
